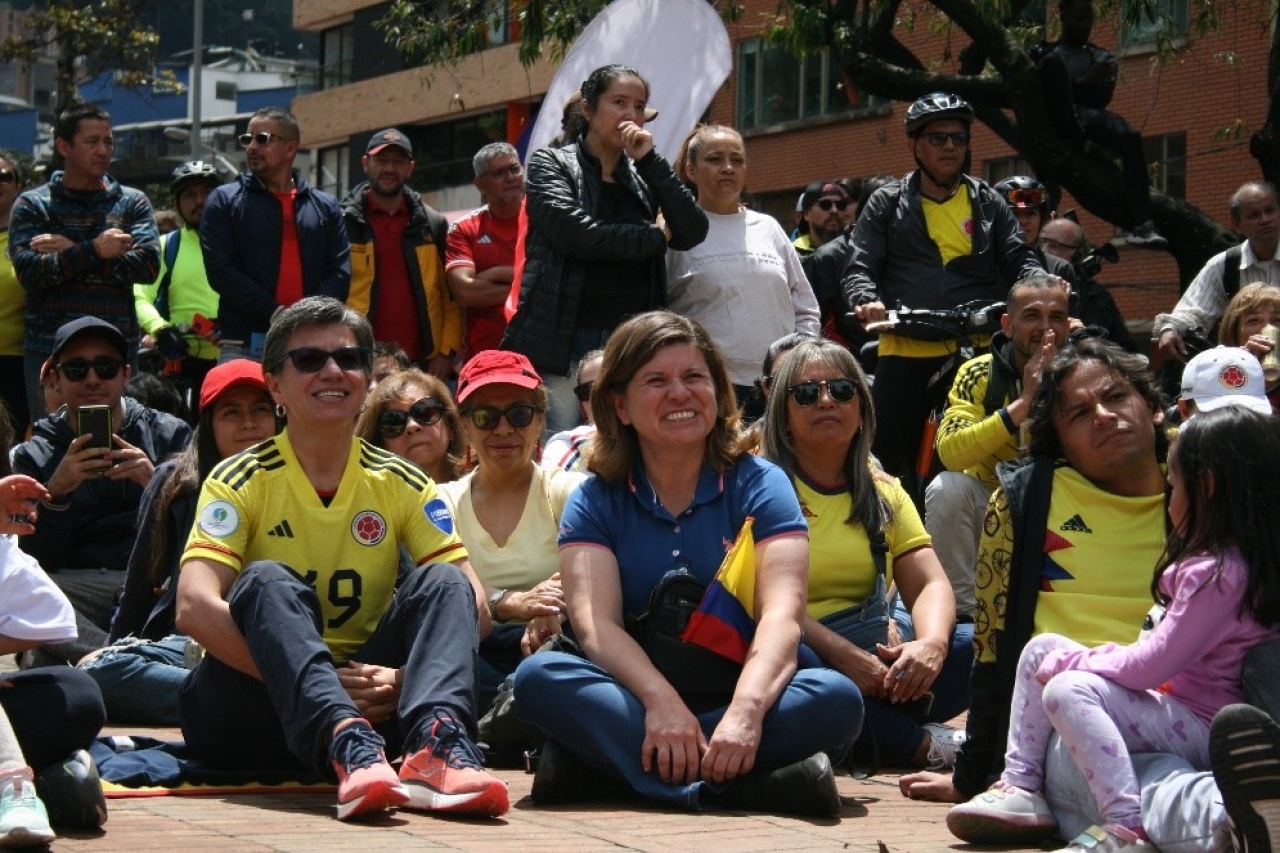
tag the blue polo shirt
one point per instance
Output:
(627, 518)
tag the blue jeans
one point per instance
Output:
(899, 734)
(820, 710)
(140, 679)
(500, 654)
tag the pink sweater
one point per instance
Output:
(1197, 651)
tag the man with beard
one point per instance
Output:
(481, 254)
(397, 259)
(938, 238)
(823, 206)
(269, 238)
(182, 290)
(987, 407)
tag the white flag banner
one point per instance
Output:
(679, 46)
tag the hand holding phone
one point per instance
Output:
(97, 421)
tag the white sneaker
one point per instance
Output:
(23, 819)
(1108, 839)
(1002, 814)
(944, 743)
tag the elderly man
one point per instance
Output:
(1091, 303)
(1254, 216)
(481, 252)
(85, 529)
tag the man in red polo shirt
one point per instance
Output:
(480, 256)
(397, 259)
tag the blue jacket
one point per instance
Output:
(67, 285)
(241, 231)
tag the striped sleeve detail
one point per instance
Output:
(441, 555)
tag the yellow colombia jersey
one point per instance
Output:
(259, 505)
(841, 571)
(1100, 553)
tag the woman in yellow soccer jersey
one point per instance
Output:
(287, 582)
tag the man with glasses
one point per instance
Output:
(79, 242)
(481, 255)
(823, 206)
(85, 531)
(397, 259)
(938, 238)
(269, 238)
(1091, 302)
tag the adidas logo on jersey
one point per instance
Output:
(282, 529)
(1075, 524)
(484, 238)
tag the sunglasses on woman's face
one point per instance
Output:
(807, 393)
(313, 359)
(487, 417)
(393, 422)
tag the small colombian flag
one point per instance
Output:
(725, 620)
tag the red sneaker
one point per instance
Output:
(366, 782)
(448, 775)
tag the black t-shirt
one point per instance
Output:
(615, 289)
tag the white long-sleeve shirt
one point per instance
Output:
(1202, 304)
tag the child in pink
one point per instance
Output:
(1219, 586)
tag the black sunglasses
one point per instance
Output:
(487, 417)
(806, 393)
(583, 391)
(393, 422)
(8, 177)
(827, 203)
(313, 359)
(960, 138)
(78, 368)
(262, 138)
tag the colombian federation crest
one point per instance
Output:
(368, 528)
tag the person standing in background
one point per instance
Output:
(13, 384)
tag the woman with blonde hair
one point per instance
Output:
(1253, 308)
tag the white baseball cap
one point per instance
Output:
(1225, 376)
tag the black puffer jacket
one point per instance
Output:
(94, 528)
(562, 195)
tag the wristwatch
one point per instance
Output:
(494, 600)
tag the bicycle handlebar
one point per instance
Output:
(966, 317)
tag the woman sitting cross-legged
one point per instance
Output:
(672, 490)
(864, 534)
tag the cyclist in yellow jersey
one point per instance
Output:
(287, 582)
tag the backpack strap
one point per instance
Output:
(1231, 271)
(171, 244)
(1025, 566)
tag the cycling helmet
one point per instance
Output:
(939, 105)
(1024, 193)
(194, 172)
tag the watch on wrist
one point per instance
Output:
(494, 600)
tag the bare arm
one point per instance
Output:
(928, 595)
(204, 615)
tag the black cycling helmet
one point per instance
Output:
(1022, 192)
(194, 172)
(934, 107)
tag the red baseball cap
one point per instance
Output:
(494, 367)
(239, 371)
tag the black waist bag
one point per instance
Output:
(704, 679)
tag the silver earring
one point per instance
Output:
(280, 412)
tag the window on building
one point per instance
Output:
(775, 87)
(336, 48)
(444, 150)
(1158, 15)
(1167, 161)
(225, 90)
(499, 29)
(334, 174)
(1006, 167)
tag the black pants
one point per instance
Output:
(286, 720)
(1077, 123)
(54, 711)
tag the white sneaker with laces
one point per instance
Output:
(23, 819)
(944, 743)
(1002, 814)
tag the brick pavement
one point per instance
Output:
(875, 819)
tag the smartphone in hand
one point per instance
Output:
(96, 420)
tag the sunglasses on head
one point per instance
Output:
(313, 359)
(960, 138)
(825, 204)
(262, 138)
(427, 411)
(78, 368)
(486, 418)
(583, 391)
(807, 393)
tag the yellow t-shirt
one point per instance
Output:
(841, 571)
(259, 505)
(1100, 554)
(12, 302)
